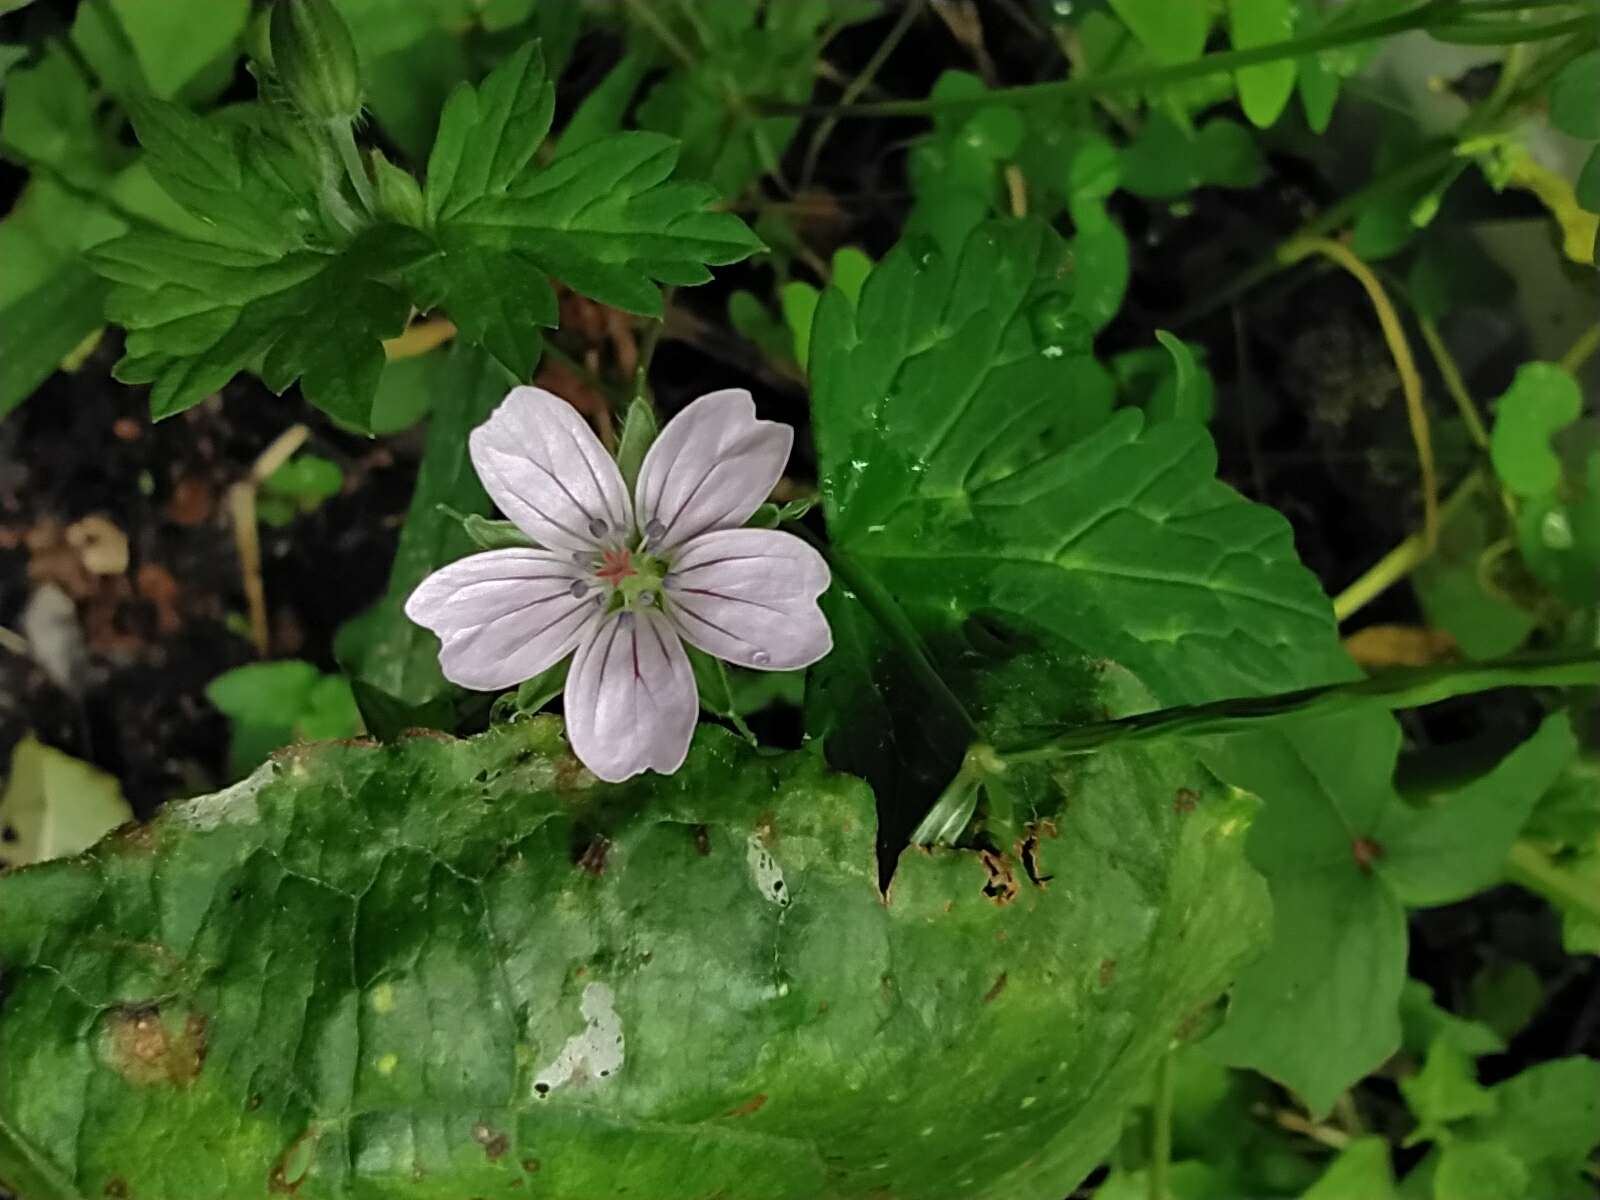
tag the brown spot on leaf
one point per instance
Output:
(117, 1188)
(531, 1165)
(1001, 885)
(1108, 971)
(1028, 851)
(1366, 852)
(291, 1170)
(996, 988)
(494, 1143)
(752, 1105)
(593, 858)
(702, 840)
(150, 1049)
(1185, 800)
(767, 830)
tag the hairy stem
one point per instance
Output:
(1150, 78)
(1161, 1127)
(344, 141)
(1391, 690)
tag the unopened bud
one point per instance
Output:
(399, 196)
(315, 59)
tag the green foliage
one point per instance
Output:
(361, 943)
(1174, 33)
(1542, 399)
(394, 663)
(272, 704)
(1343, 856)
(1166, 160)
(720, 54)
(308, 287)
(1575, 98)
(299, 486)
(1264, 89)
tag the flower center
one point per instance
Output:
(630, 578)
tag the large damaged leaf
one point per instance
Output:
(446, 968)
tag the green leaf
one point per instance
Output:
(1575, 98)
(738, 49)
(1449, 851)
(1587, 190)
(1337, 958)
(945, 429)
(1422, 1022)
(1542, 399)
(379, 970)
(1174, 33)
(1361, 1172)
(1479, 1171)
(799, 303)
(603, 218)
(42, 328)
(55, 805)
(1342, 854)
(716, 693)
(1191, 399)
(49, 115)
(1505, 996)
(269, 693)
(603, 110)
(639, 429)
(227, 174)
(1450, 585)
(197, 315)
(394, 656)
(176, 40)
(1549, 1117)
(1317, 75)
(1265, 88)
(1444, 1091)
(308, 479)
(1165, 161)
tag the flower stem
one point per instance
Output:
(1391, 690)
(344, 142)
(1161, 1127)
(1402, 560)
(1410, 381)
(882, 607)
(1453, 383)
(1531, 868)
(1434, 13)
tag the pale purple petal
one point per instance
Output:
(547, 472)
(712, 467)
(631, 702)
(750, 596)
(504, 615)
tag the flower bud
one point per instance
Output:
(315, 59)
(399, 196)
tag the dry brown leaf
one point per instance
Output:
(101, 546)
(1379, 646)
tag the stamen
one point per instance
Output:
(598, 527)
(654, 531)
(646, 599)
(579, 587)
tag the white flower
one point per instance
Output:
(623, 581)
